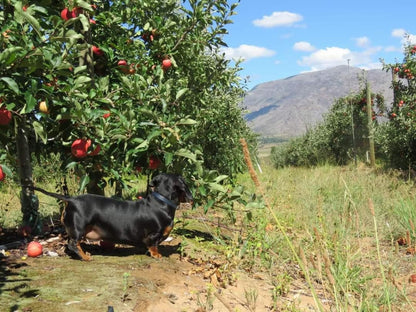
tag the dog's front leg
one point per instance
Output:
(154, 252)
(75, 246)
(152, 242)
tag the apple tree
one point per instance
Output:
(398, 136)
(342, 135)
(120, 87)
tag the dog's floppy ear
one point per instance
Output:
(156, 181)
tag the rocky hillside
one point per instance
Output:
(288, 107)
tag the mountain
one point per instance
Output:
(288, 107)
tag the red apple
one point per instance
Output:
(412, 278)
(97, 51)
(166, 64)
(93, 21)
(34, 249)
(154, 162)
(2, 175)
(24, 8)
(66, 14)
(106, 115)
(95, 151)
(5, 116)
(80, 147)
(123, 66)
(76, 12)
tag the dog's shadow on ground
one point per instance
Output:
(166, 249)
(124, 250)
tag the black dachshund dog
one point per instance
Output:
(146, 221)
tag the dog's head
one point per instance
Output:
(173, 187)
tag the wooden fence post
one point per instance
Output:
(370, 127)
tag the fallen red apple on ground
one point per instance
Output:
(34, 249)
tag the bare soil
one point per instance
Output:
(191, 276)
(127, 279)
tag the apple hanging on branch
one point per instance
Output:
(43, 107)
(5, 116)
(2, 174)
(166, 64)
(79, 148)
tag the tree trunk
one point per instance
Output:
(28, 200)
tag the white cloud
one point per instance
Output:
(303, 46)
(326, 58)
(335, 56)
(406, 38)
(247, 52)
(278, 19)
(398, 32)
(362, 41)
(392, 49)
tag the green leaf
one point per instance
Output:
(12, 84)
(168, 158)
(84, 182)
(9, 55)
(30, 103)
(217, 187)
(202, 190)
(143, 146)
(80, 69)
(208, 205)
(21, 15)
(40, 131)
(83, 4)
(85, 22)
(71, 165)
(220, 178)
(187, 121)
(186, 153)
(7, 170)
(80, 81)
(181, 92)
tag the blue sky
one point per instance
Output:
(279, 39)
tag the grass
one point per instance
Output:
(336, 227)
(346, 246)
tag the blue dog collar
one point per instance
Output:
(164, 199)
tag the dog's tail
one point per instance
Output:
(58, 196)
